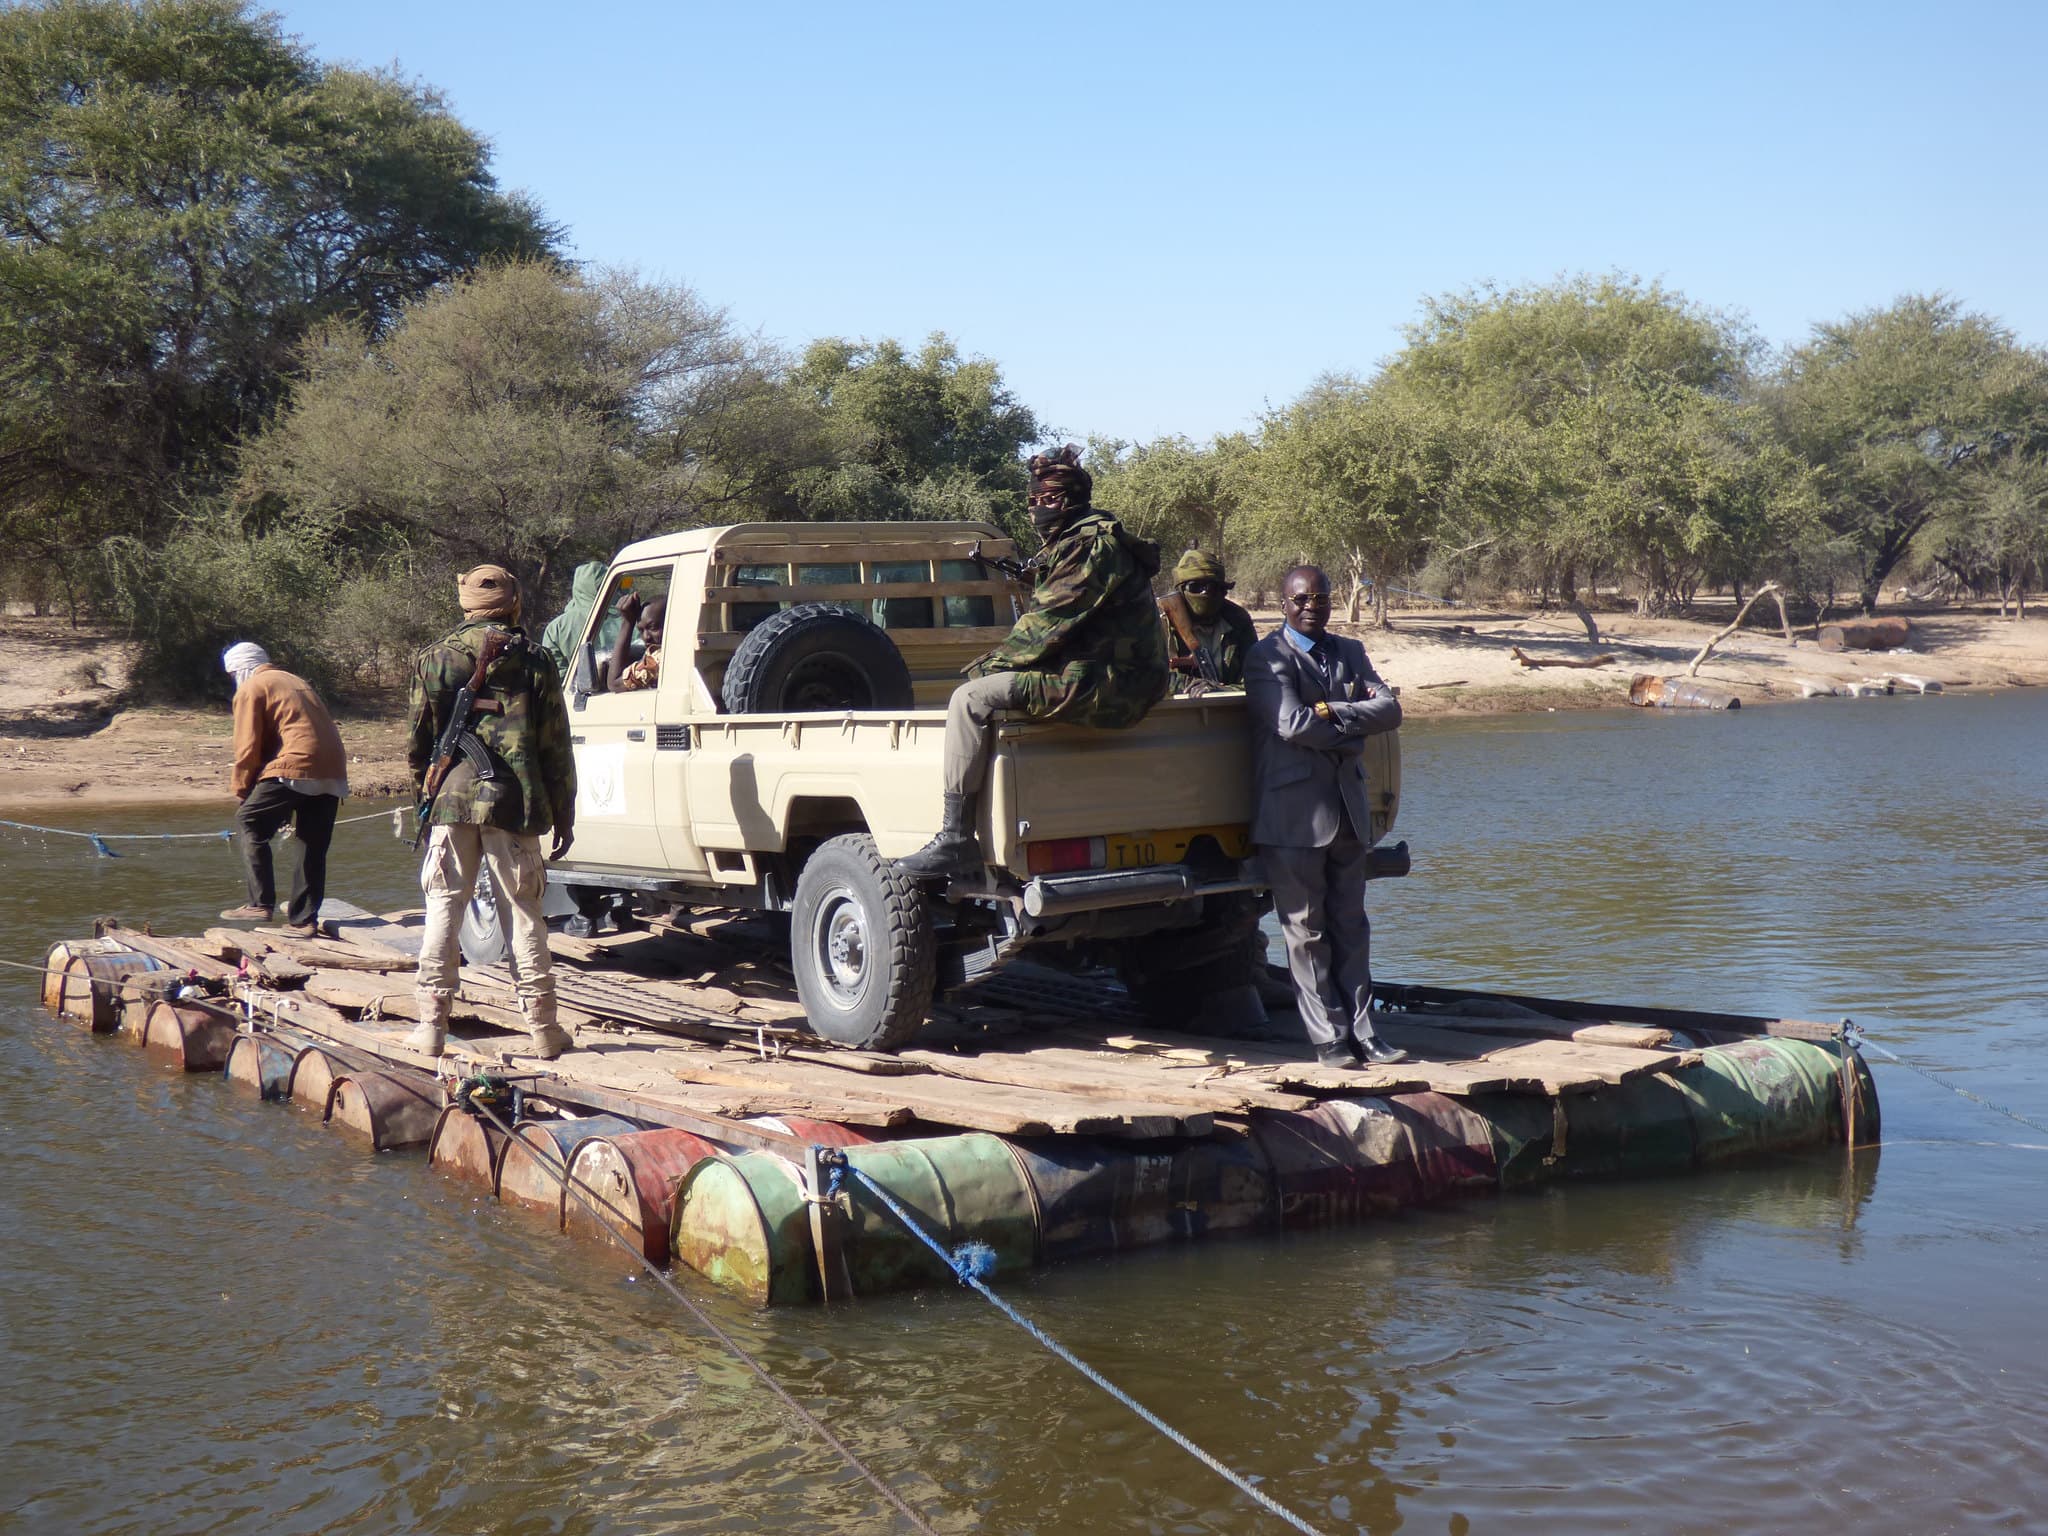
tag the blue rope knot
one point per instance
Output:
(973, 1261)
(99, 846)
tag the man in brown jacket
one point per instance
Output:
(289, 766)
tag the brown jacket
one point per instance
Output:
(283, 731)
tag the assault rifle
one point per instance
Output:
(457, 739)
(1198, 662)
(1006, 565)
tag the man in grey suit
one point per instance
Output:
(1312, 698)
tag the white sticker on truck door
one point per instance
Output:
(601, 781)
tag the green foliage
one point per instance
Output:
(1898, 409)
(1178, 493)
(519, 415)
(893, 435)
(212, 583)
(184, 194)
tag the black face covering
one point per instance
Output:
(1048, 521)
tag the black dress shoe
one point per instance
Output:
(1375, 1052)
(1339, 1054)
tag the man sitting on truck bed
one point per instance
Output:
(1089, 651)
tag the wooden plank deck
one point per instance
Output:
(700, 1020)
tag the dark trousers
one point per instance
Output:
(269, 806)
(1319, 895)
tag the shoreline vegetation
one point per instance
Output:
(71, 738)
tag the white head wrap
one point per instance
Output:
(242, 658)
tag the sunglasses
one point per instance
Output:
(1309, 600)
(1203, 588)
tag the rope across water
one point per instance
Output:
(100, 840)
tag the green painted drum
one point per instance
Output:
(960, 1189)
(1762, 1095)
(741, 1223)
(1523, 1127)
(1642, 1126)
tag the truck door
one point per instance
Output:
(611, 727)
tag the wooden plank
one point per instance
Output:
(1402, 1077)
(1092, 1076)
(1548, 1066)
(937, 1100)
(856, 591)
(179, 954)
(1526, 1024)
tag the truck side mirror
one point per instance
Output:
(579, 678)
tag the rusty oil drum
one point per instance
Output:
(262, 1065)
(740, 1222)
(389, 1110)
(1762, 1095)
(465, 1147)
(89, 991)
(535, 1159)
(190, 1033)
(1338, 1163)
(626, 1184)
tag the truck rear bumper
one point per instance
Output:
(1063, 895)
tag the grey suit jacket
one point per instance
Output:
(1305, 767)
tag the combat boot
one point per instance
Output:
(955, 854)
(431, 1038)
(549, 1040)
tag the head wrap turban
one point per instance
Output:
(1061, 473)
(1197, 565)
(242, 658)
(488, 592)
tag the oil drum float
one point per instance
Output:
(1338, 1163)
(89, 992)
(815, 1133)
(57, 965)
(629, 1183)
(316, 1068)
(387, 1109)
(196, 1036)
(465, 1147)
(535, 1161)
(262, 1065)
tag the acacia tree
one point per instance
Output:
(519, 414)
(1182, 494)
(184, 194)
(1897, 408)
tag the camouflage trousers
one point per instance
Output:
(448, 879)
(971, 726)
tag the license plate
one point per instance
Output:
(1142, 848)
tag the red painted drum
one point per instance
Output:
(1454, 1151)
(629, 1182)
(536, 1159)
(1339, 1162)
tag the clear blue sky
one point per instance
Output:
(1160, 218)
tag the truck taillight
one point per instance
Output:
(1064, 855)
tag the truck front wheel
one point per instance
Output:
(860, 941)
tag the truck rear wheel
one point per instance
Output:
(813, 658)
(860, 942)
(1199, 980)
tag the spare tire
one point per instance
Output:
(815, 658)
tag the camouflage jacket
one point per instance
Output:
(1090, 650)
(1226, 638)
(535, 786)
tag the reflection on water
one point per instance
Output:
(218, 1317)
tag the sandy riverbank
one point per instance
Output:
(69, 739)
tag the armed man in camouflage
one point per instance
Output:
(523, 726)
(1207, 635)
(1090, 651)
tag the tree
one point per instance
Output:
(1357, 476)
(1607, 414)
(518, 415)
(934, 435)
(1182, 494)
(184, 194)
(1896, 408)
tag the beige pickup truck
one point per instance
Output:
(791, 748)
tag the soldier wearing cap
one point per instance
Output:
(523, 726)
(1089, 651)
(1207, 635)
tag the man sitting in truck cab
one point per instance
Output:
(1089, 651)
(626, 676)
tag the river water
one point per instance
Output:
(217, 1317)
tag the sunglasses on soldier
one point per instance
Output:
(1203, 588)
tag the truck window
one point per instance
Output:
(647, 584)
(901, 612)
(746, 615)
(837, 574)
(965, 612)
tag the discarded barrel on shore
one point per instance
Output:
(626, 1183)
(192, 1033)
(262, 1064)
(1648, 690)
(1891, 633)
(535, 1158)
(389, 1110)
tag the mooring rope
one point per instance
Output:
(973, 1260)
(100, 840)
(739, 1351)
(1861, 1039)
